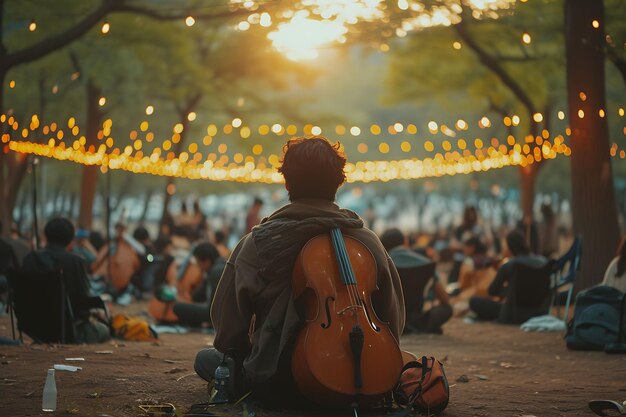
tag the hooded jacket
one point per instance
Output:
(253, 312)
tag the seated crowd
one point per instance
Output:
(190, 277)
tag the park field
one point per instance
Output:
(508, 373)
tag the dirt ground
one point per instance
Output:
(510, 373)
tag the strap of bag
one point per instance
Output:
(418, 390)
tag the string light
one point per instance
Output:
(595, 24)
(32, 26)
(526, 38)
(106, 27)
(102, 101)
(457, 45)
(60, 142)
(149, 110)
(190, 21)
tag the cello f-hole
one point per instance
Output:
(328, 316)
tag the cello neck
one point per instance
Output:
(341, 253)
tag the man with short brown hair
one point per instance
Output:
(253, 312)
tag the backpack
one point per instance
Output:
(596, 319)
(132, 328)
(423, 386)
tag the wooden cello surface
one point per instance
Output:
(124, 264)
(345, 353)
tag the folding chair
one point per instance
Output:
(528, 294)
(564, 274)
(42, 306)
(414, 281)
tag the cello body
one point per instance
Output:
(345, 353)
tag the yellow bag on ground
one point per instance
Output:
(133, 328)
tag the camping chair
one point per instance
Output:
(528, 294)
(42, 307)
(564, 274)
(414, 281)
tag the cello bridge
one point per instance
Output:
(354, 309)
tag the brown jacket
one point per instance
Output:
(257, 283)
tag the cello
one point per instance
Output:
(344, 353)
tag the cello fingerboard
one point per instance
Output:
(343, 260)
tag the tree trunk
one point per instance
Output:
(146, 203)
(71, 204)
(89, 178)
(126, 187)
(178, 147)
(5, 213)
(165, 215)
(593, 199)
(528, 179)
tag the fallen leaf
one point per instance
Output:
(482, 377)
(29, 394)
(175, 370)
(507, 365)
(170, 361)
(462, 378)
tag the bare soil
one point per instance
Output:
(510, 373)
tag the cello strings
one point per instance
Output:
(335, 239)
(350, 277)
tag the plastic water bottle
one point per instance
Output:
(222, 376)
(49, 400)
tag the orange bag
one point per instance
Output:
(133, 329)
(423, 386)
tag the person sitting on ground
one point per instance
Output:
(252, 218)
(475, 272)
(255, 316)
(488, 308)
(8, 265)
(615, 275)
(470, 226)
(124, 255)
(59, 233)
(143, 279)
(187, 294)
(219, 238)
(83, 248)
(404, 258)
(212, 265)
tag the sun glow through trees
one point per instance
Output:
(318, 24)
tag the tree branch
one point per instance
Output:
(3, 49)
(617, 61)
(494, 66)
(154, 14)
(44, 47)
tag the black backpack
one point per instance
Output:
(596, 318)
